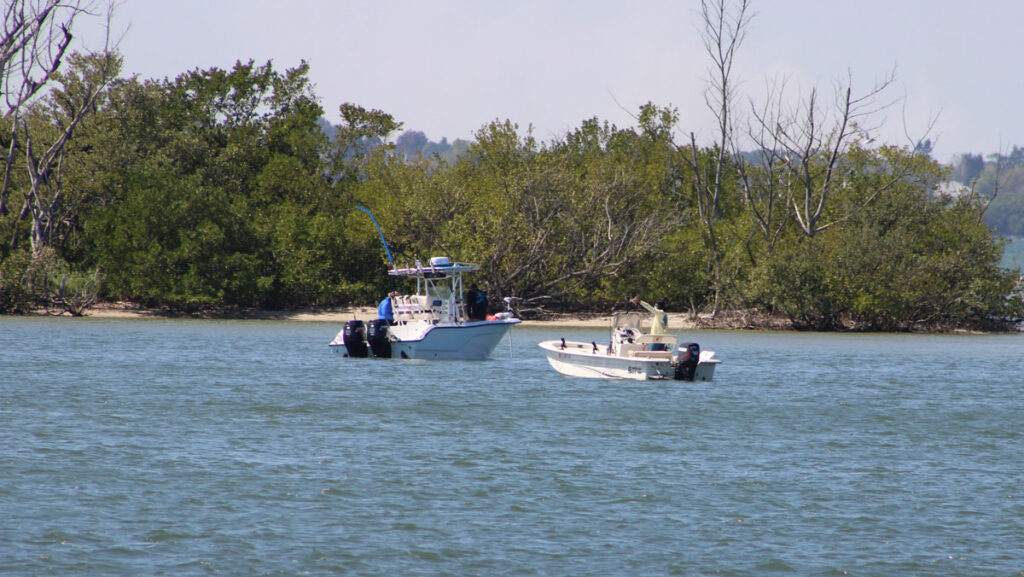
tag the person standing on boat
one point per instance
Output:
(659, 325)
(385, 310)
(477, 301)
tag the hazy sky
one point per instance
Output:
(448, 67)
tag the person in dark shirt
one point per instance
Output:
(476, 304)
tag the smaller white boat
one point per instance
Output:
(632, 353)
(431, 324)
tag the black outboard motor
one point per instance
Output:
(377, 336)
(355, 339)
(688, 356)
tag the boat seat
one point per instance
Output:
(413, 303)
(411, 308)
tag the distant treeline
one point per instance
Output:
(220, 188)
(998, 180)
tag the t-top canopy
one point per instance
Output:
(439, 267)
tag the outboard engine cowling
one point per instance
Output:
(355, 339)
(687, 358)
(377, 336)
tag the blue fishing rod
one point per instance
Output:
(387, 251)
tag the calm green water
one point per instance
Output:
(154, 447)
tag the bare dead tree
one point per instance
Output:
(766, 186)
(724, 28)
(810, 141)
(45, 166)
(37, 36)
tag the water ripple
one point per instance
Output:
(196, 447)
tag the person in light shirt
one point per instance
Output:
(659, 325)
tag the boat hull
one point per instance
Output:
(470, 341)
(589, 360)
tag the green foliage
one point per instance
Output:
(220, 189)
(29, 281)
(1005, 213)
(15, 296)
(558, 224)
(908, 260)
(675, 276)
(228, 166)
(999, 180)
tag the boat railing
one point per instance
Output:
(410, 308)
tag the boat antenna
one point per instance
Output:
(387, 251)
(508, 307)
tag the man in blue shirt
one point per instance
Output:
(385, 310)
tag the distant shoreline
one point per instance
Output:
(724, 320)
(339, 315)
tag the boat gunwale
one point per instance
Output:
(556, 347)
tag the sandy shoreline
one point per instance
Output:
(749, 319)
(676, 321)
